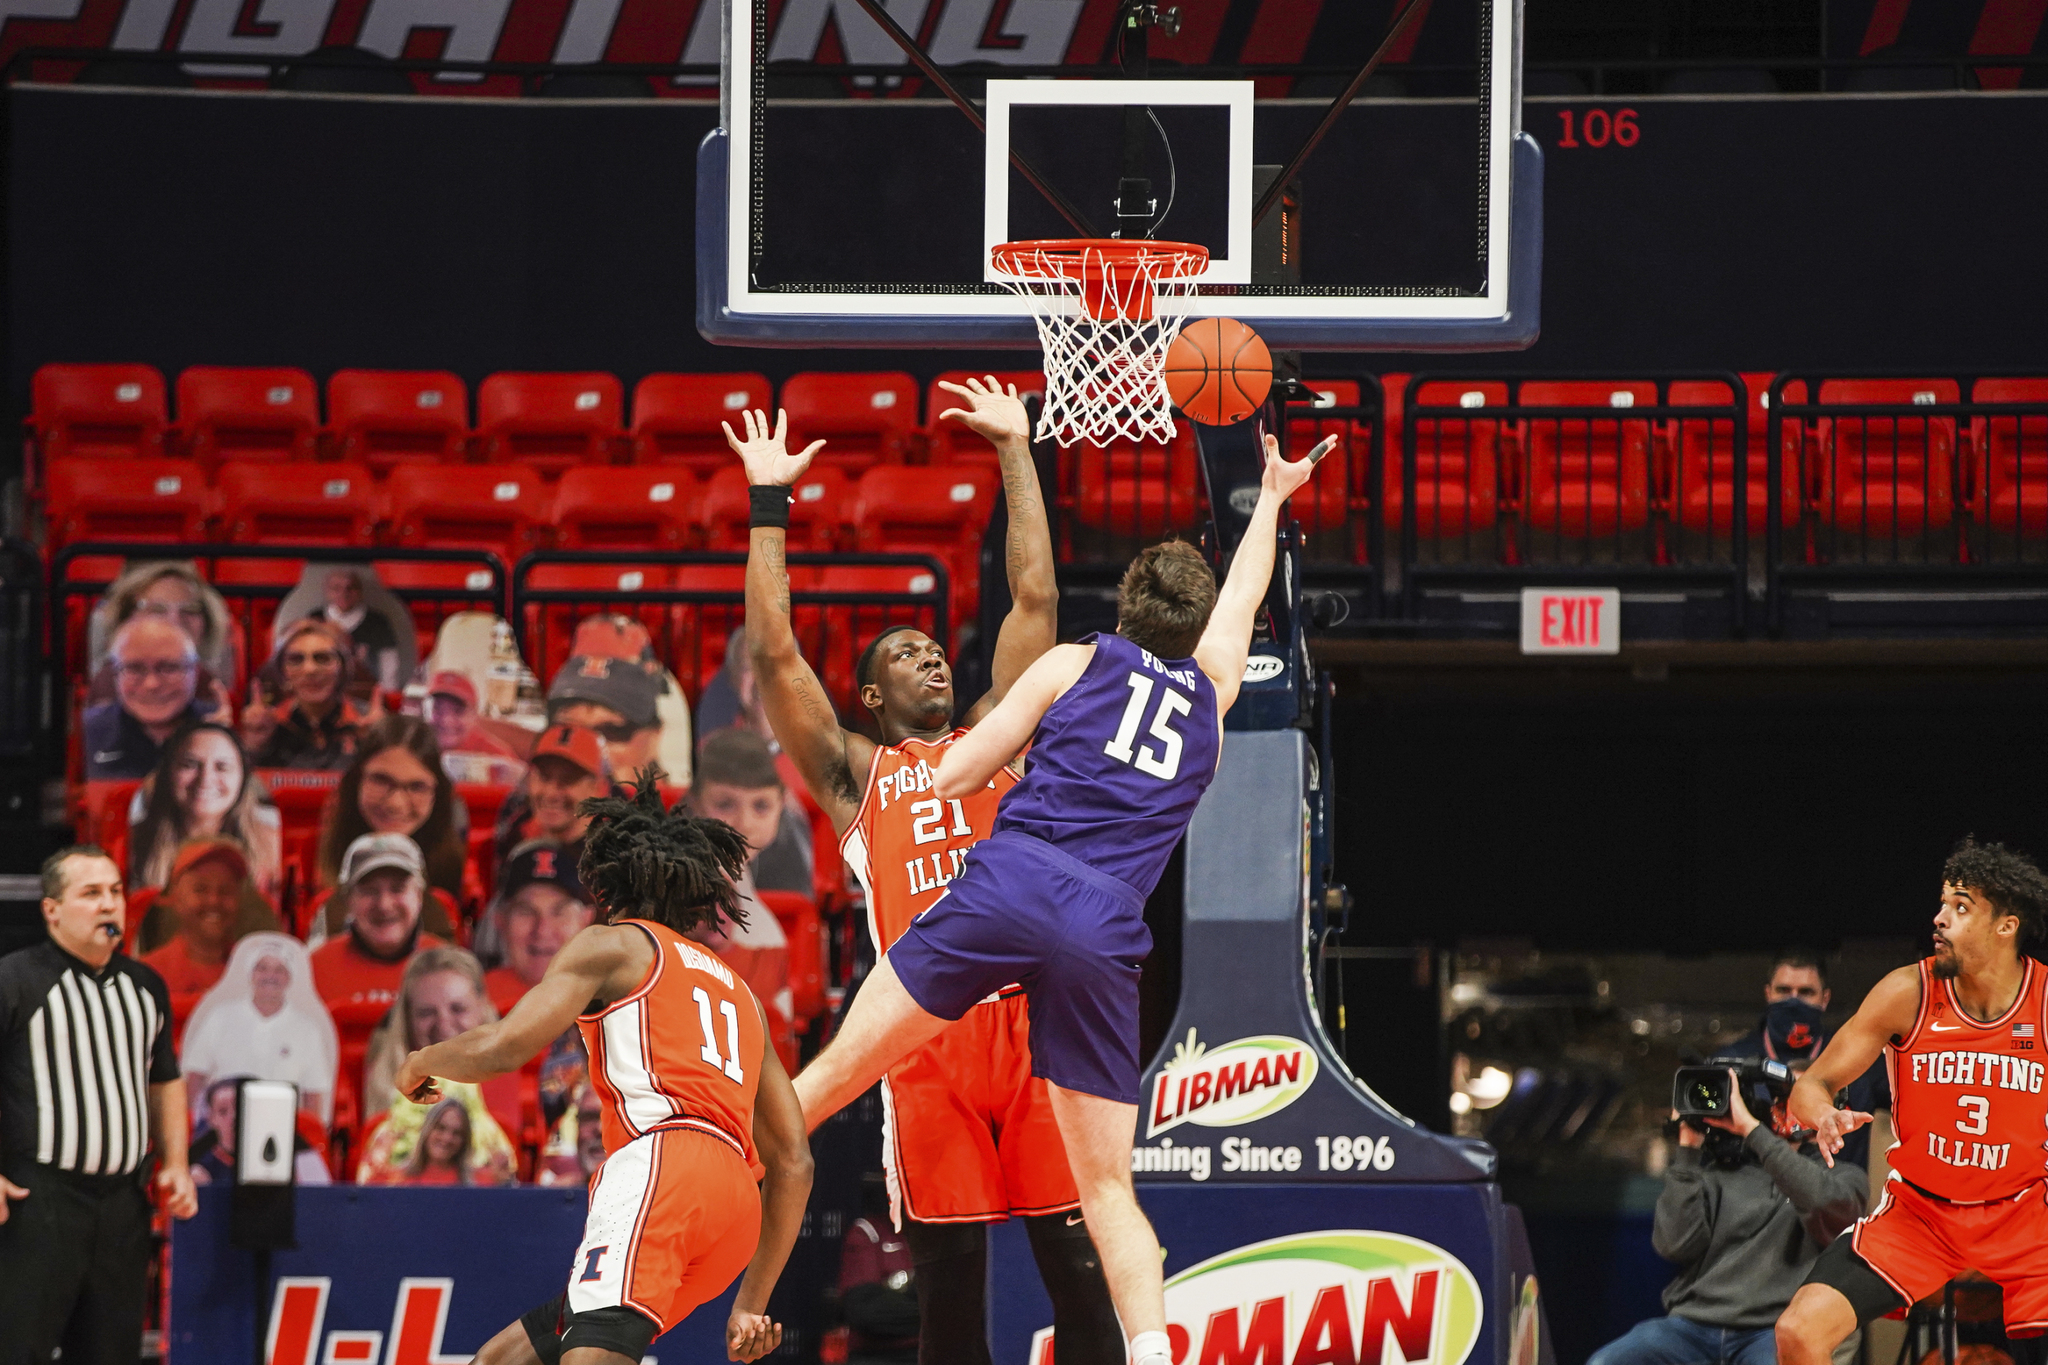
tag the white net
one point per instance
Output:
(1106, 312)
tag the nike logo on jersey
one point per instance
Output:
(1952, 1028)
(1073, 1219)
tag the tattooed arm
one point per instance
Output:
(1033, 621)
(833, 761)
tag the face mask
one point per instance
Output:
(1792, 1030)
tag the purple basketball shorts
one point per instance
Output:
(1022, 911)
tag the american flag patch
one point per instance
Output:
(2022, 1030)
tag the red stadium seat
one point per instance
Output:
(386, 418)
(1325, 504)
(101, 410)
(865, 419)
(676, 417)
(553, 422)
(655, 507)
(938, 510)
(1704, 450)
(297, 504)
(798, 916)
(143, 499)
(501, 508)
(1587, 477)
(102, 814)
(1457, 455)
(1136, 489)
(818, 512)
(598, 580)
(248, 414)
(951, 443)
(1889, 475)
(2008, 469)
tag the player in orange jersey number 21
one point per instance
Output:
(968, 1133)
(696, 1105)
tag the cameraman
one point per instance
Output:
(1792, 1031)
(1744, 1213)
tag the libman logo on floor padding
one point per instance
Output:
(1326, 1298)
(1221, 1087)
(1320, 1298)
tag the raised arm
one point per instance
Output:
(786, 1151)
(1227, 642)
(970, 761)
(603, 962)
(1886, 1013)
(1033, 621)
(833, 761)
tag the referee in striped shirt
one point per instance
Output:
(86, 1071)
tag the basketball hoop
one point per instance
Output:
(1106, 312)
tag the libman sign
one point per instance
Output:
(1222, 1087)
(1340, 1297)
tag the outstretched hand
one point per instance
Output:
(767, 459)
(991, 412)
(1832, 1127)
(1284, 476)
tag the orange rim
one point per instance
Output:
(1072, 256)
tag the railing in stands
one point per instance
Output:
(22, 676)
(1639, 481)
(1912, 503)
(1340, 509)
(254, 580)
(691, 603)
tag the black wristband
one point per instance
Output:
(768, 505)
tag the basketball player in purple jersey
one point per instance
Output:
(1126, 731)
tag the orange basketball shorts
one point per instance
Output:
(1917, 1244)
(968, 1132)
(673, 1220)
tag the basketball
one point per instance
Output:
(1218, 371)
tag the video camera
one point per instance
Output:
(1706, 1091)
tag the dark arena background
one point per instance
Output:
(1615, 667)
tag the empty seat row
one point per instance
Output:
(1878, 474)
(940, 510)
(551, 421)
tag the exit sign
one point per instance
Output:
(1571, 621)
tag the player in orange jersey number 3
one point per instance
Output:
(695, 1104)
(1961, 1034)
